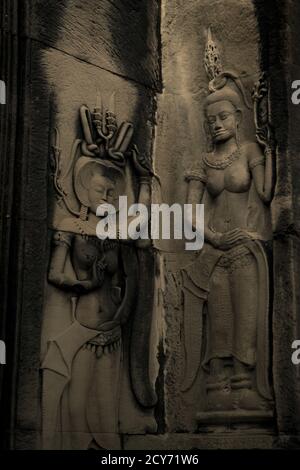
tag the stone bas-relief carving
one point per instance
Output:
(226, 290)
(88, 390)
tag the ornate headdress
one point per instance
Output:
(104, 145)
(226, 85)
(223, 85)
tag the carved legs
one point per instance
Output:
(242, 375)
(216, 368)
(89, 407)
(231, 352)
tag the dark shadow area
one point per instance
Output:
(23, 240)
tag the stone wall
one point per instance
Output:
(181, 143)
(57, 55)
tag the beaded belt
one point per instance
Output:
(105, 342)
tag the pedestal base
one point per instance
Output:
(235, 417)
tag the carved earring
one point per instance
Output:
(209, 140)
(83, 212)
(211, 145)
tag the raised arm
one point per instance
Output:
(144, 175)
(261, 167)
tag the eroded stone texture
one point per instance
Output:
(54, 82)
(223, 440)
(133, 102)
(95, 368)
(71, 49)
(24, 232)
(180, 137)
(279, 32)
(182, 142)
(259, 35)
(285, 330)
(113, 35)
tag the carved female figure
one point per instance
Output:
(83, 380)
(235, 184)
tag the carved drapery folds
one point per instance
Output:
(83, 314)
(226, 290)
(96, 382)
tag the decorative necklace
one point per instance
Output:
(222, 163)
(84, 230)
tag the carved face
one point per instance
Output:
(222, 119)
(102, 190)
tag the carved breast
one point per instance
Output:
(235, 179)
(85, 251)
(89, 249)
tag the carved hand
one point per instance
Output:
(82, 287)
(262, 136)
(68, 283)
(60, 279)
(225, 241)
(141, 164)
